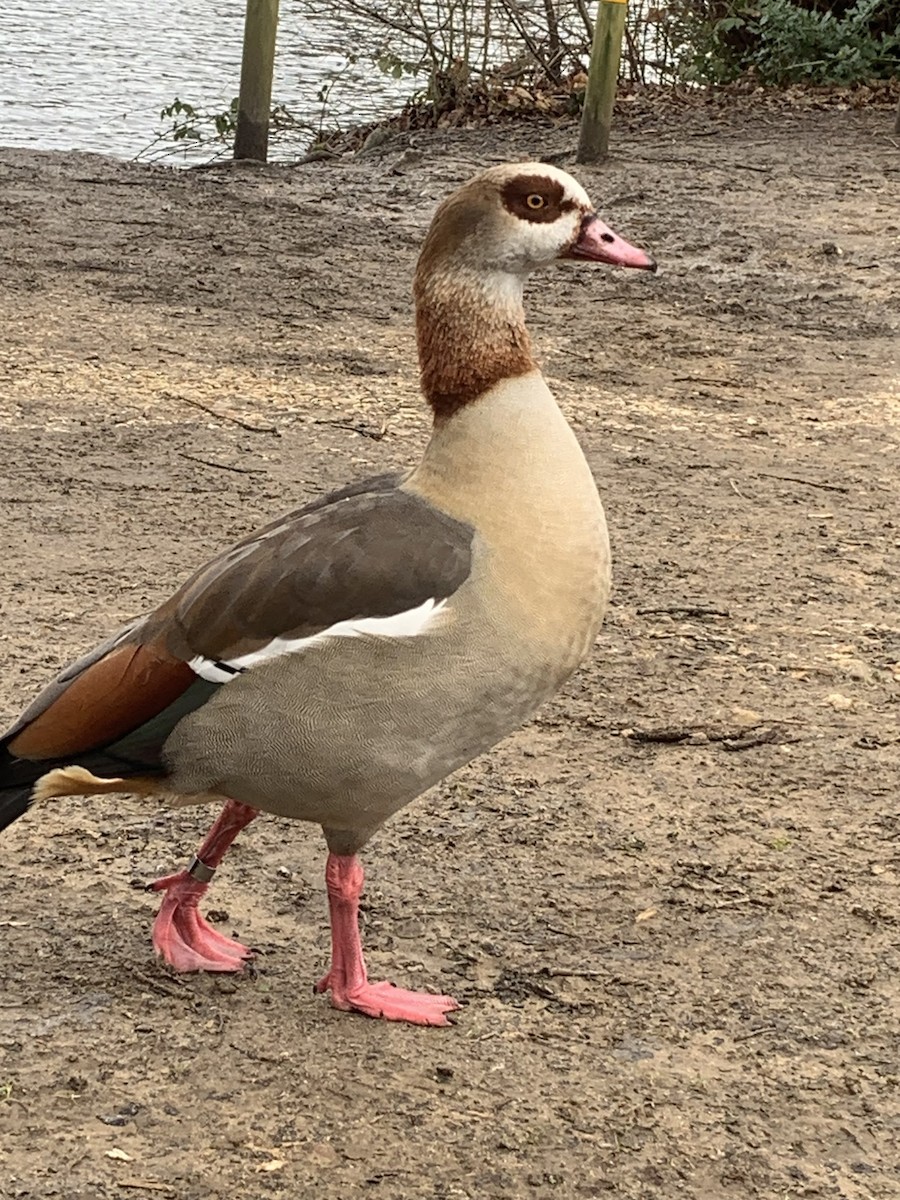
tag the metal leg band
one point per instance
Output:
(200, 871)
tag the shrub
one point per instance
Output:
(783, 42)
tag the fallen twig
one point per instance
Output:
(752, 1033)
(146, 1185)
(254, 1056)
(168, 987)
(208, 462)
(369, 431)
(685, 610)
(669, 736)
(828, 487)
(756, 737)
(560, 973)
(729, 739)
(705, 379)
(220, 416)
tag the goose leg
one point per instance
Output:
(181, 936)
(347, 979)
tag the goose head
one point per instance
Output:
(484, 241)
(521, 216)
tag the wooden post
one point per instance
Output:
(251, 139)
(603, 74)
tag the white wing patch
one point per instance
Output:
(412, 623)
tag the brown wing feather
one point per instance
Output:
(368, 550)
(366, 554)
(112, 696)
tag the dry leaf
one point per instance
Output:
(119, 1155)
(746, 716)
(646, 914)
(274, 1164)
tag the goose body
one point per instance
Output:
(341, 661)
(403, 711)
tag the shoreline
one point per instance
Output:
(638, 106)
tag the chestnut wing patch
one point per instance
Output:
(112, 695)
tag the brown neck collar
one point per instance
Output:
(471, 335)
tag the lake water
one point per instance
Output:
(94, 74)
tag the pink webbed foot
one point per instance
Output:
(184, 938)
(347, 980)
(180, 935)
(388, 1002)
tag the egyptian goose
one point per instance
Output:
(345, 658)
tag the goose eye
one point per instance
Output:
(535, 201)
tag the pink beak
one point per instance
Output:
(598, 243)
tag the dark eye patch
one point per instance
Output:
(516, 191)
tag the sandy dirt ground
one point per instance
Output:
(670, 903)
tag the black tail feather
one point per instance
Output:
(13, 803)
(17, 778)
(19, 775)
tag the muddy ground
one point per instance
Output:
(670, 903)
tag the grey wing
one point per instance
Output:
(370, 551)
